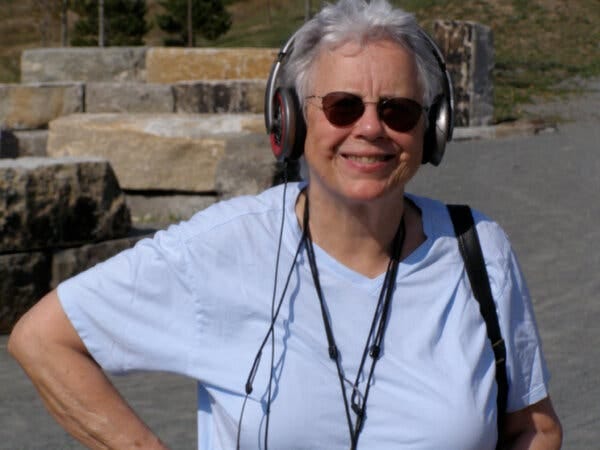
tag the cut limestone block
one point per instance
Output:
(129, 97)
(71, 261)
(469, 51)
(30, 106)
(247, 166)
(162, 209)
(170, 65)
(24, 279)
(220, 96)
(172, 152)
(48, 202)
(83, 64)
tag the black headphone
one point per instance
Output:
(287, 130)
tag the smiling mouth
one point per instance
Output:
(369, 159)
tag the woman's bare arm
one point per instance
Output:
(534, 428)
(73, 387)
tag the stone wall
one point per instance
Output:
(49, 208)
(144, 65)
(468, 48)
(31, 106)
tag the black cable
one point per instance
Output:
(380, 319)
(375, 349)
(269, 389)
(331, 346)
(270, 332)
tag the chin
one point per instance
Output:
(369, 191)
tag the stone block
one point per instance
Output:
(220, 96)
(48, 202)
(31, 142)
(172, 152)
(30, 106)
(24, 279)
(71, 261)
(129, 97)
(160, 210)
(469, 51)
(247, 166)
(170, 64)
(83, 64)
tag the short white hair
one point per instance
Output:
(361, 22)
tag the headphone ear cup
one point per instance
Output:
(288, 129)
(437, 132)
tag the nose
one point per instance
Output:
(369, 125)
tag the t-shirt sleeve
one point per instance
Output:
(136, 311)
(527, 372)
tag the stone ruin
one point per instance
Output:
(99, 147)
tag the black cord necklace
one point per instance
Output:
(376, 332)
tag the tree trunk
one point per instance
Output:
(190, 27)
(64, 23)
(101, 23)
(307, 8)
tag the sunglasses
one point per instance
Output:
(343, 109)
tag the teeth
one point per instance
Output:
(368, 159)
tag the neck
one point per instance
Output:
(358, 235)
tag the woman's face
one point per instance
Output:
(366, 160)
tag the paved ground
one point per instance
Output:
(542, 188)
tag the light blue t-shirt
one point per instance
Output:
(197, 298)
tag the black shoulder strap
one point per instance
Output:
(470, 249)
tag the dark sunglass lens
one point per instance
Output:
(400, 114)
(342, 109)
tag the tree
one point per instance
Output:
(64, 22)
(209, 18)
(46, 14)
(124, 22)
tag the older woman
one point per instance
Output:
(355, 289)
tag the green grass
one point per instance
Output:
(538, 43)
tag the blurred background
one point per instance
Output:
(543, 47)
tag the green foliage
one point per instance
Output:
(124, 22)
(210, 19)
